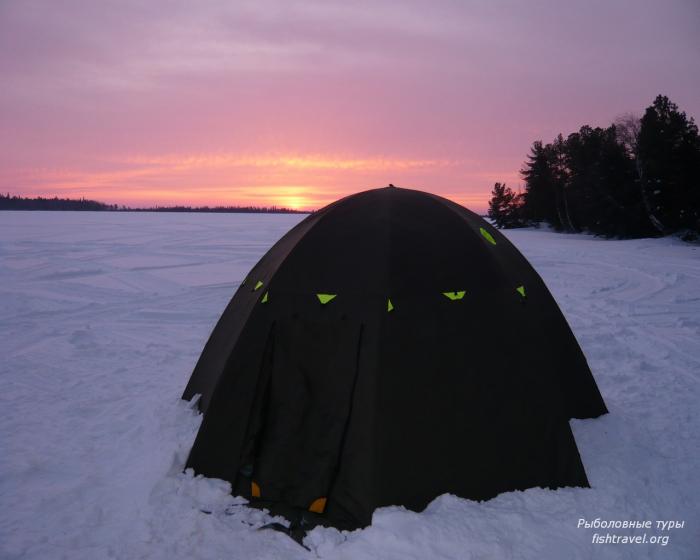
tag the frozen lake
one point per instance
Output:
(103, 315)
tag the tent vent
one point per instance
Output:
(254, 489)
(487, 236)
(454, 295)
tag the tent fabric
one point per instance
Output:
(391, 347)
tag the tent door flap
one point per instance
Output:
(308, 401)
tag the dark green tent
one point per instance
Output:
(390, 348)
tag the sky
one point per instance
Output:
(297, 103)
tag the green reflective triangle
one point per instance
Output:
(487, 236)
(264, 298)
(389, 305)
(521, 290)
(454, 295)
(258, 285)
(325, 298)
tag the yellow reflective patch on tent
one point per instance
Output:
(389, 305)
(258, 285)
(254, 489)
(264, 298)
(325, 298)
(487, 236)
(521, 290)
(454, 295)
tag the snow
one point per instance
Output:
(103, 315)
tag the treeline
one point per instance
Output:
(222, 209)
(8, 202)
(638, 177)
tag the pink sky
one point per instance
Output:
(296, 103)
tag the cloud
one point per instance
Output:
(134, 45)
(318, 93)
(297, 180)
(286, 162)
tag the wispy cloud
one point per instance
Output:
(280, 179)
(292, 162)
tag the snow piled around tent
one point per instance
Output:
(103, 315)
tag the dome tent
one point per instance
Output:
(390, 348)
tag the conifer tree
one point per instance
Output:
(603, 194)
(539, 197)
(560, 177)
(668, 154)
(505, 207)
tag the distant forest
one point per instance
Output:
(639, 177)
(8, 202)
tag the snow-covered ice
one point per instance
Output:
(103, 315)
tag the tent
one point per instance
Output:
(391, 347)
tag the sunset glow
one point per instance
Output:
(272, 103)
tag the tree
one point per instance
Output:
(601, 183)
(668, 155)
(560, 177)
(538, 199)
(627, 127)
(546, 177)
(505, 207)
(638, 177)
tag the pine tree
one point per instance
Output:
(634, 178)
(539, 197)
(668, 155)
(602, 193)
(505, 207)
(560, 177)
